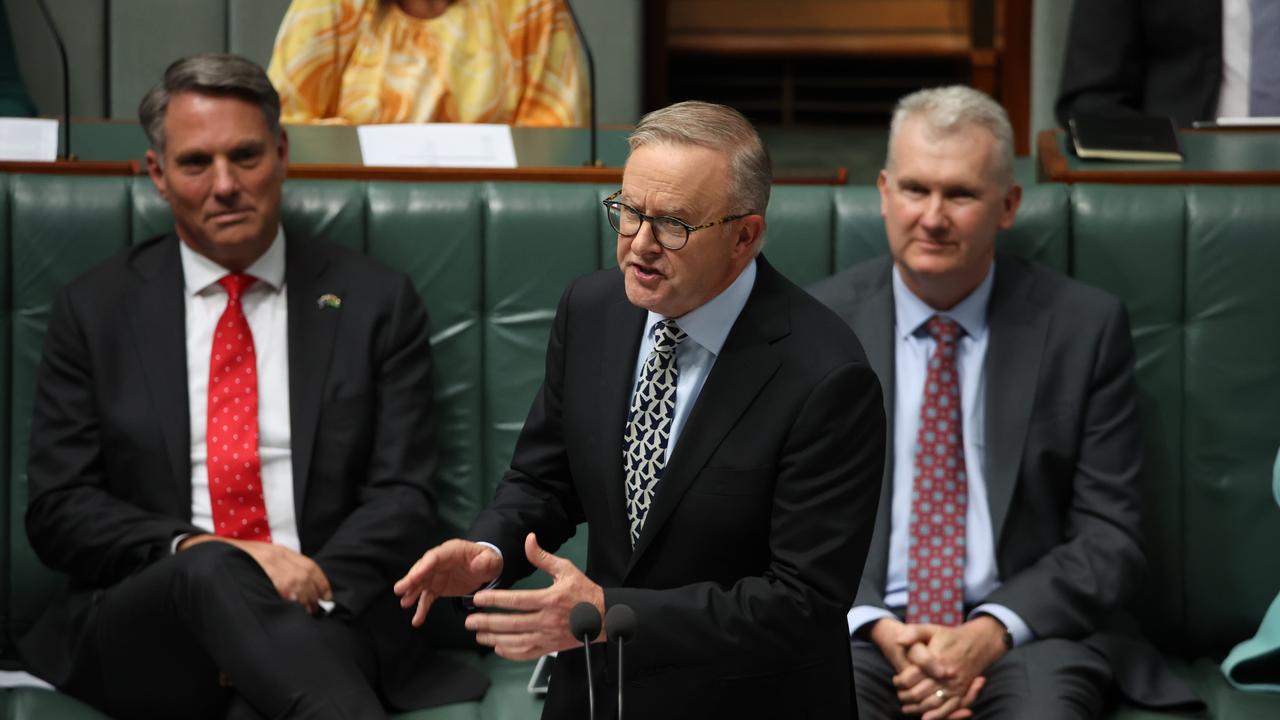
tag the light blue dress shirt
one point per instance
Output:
(707, 327)
(913, 347)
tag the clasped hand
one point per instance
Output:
(536, 622)
(295, 576)
(939, 669)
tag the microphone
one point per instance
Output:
(620, 625)
(594, 160)
(66, 81)
(584, 623)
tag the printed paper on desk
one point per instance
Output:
(28, 139)
(437, 145)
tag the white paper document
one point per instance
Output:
(437, 145)
(1260, 121)
(28, 139)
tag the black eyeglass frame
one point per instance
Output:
(611, 204)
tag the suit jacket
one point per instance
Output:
(1153, 57)
(754, 543)
(1063, 453)
(110, 470)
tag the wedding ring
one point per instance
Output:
(941, 694)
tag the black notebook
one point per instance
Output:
(1139, 138)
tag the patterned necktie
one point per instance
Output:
(1264, 59)
(653, 407)
(939, 491)
(231, 435)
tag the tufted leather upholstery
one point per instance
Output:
(1194, 265)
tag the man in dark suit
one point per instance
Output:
(1152, 57)
(1008, 531)
(721, 435)
(232, 445)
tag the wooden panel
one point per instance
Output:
(819, 17)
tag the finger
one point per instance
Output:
(487, 564)
(509, 640)
(929, 663)
(512, 652)
(504, 622)
(411, 583)
(528, 600)
(540, 558)
(950, 705)
(424, 604)
(971, 695)
(918, 693)
(908, 678)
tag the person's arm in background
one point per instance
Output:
(1103, 66)
(552, 68)
(314, 44)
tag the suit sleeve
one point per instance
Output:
(1069, 590)
(1103, 68)
(75, 524)
(394, 510)
(824, 506)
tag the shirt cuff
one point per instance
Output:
(177, 540)
(862, 615)
(1014, 624)
(493, 583)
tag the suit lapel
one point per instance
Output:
(156, 314)
(624, 323)
(1012, 368)
(311, 334)
(874, 324)
(744, 366)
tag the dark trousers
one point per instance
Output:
(1042, 680)
(204, 634)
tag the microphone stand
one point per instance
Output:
(594, 160)
(66, 81)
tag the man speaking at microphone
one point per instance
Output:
(720, 433)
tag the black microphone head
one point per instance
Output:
(620, 623)
(584, 621)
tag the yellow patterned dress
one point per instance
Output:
(485, 61)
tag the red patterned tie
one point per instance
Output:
(939, 491)
(231, 435)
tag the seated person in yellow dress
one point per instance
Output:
(389, 61)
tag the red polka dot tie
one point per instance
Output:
(231, 436)
(939, 491)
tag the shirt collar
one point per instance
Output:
(709, 324)
(910, 312)
(199, 273)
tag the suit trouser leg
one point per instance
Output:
(1045, 679)
(159, 641)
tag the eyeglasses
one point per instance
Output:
(671, 233)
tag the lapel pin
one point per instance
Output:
(328, 300)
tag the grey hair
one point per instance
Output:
(209, 74)
(951, 109)
(720, 128)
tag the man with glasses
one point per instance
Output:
(718, 430)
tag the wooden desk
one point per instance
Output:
(332, 152)
(1212, 157)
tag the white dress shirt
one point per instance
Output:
(265, 307)
(913, 347)
(1237, 44)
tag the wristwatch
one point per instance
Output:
(1007, 638)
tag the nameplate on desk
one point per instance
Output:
(453, 145)
(28, 139)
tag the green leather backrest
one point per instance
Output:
(1131, 244)
(58, 228)
(1040, 232)
(1231, 420)
(491, 260)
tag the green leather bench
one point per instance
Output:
(1194, 265)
